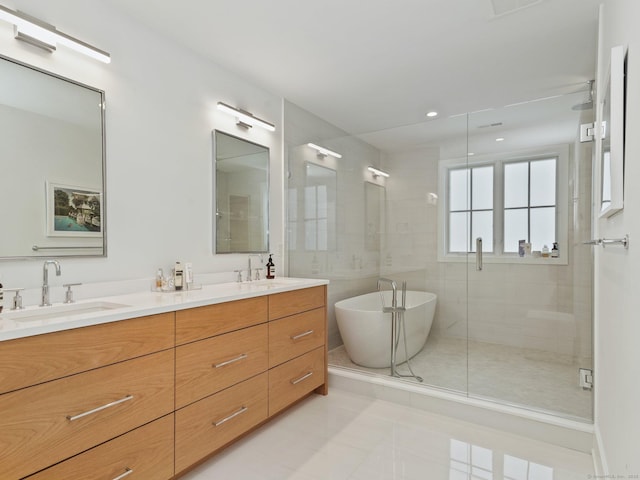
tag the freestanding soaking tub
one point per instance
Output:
(366, 331)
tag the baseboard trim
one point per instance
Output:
(600, 464)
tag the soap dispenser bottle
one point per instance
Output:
(555, 252)
(271, 268)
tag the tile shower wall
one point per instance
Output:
(541, 307)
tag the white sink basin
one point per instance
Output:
(57, 311)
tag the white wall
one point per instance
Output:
(617, 303)
(160, 112)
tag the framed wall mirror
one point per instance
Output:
(241, 195)
(53, 162)
(611, 119)
(320, 199)
(375, 197)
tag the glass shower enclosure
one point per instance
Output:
(468, 207)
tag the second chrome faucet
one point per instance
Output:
(45, 280)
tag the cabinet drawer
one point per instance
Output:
(203, 322)
(55, 355)
(296, 301)
(205, 426)
(292, 336)
(208, 366)
(47, 423)
(146, 452)
(294, 379)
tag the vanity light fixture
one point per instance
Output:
(377, 173)
(246, 119)
(36, 32)
(323, 152)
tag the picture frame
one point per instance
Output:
(610, 120)
(73, 211)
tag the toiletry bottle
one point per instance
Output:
(1, 296)
(545, 252)
(178, 276)
(555, 253)
(188, 274)
(271, 268)
(159, 279)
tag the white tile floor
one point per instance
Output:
(518, 376)
(346, 436)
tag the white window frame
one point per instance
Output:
(560, 152)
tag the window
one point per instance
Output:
(504, 200)
(529, 204)
(470, 208)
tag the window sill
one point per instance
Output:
(506, 259)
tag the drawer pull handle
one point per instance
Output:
(304, 377)
(234, 414)
(127, 471)
(229, 362)
(300, 335)
(71, 418)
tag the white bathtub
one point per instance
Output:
(366, 331)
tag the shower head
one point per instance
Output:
(588, 105)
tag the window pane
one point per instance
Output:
(310, 202)
(516, 185)
(543, 182)
(515, 229)
(459, 190)
(543, 227)
(322, 235)
(606, 179)
(459, 232)
(310, 235)
(482, 226)
(482, 188)
(322, 201)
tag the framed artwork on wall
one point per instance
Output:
(73, 211)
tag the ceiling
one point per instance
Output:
(372, 65)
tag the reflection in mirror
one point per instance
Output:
(320, 209)
(241, 195)
(52, 150)
(375, 218)
(611, 121)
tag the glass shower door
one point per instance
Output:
(529, 275)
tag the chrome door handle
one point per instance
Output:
(301, 335)
(303, 377)
(127, 472)
(229, 362)
(233, 415)
(479, 253)
(71, 418)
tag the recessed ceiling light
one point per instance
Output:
(432, 114)
(471, 154)
(499, 139)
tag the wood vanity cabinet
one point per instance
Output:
(229, 381)
(151, 397)
(93, 385)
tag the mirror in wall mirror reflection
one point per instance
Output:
(611, 119)
(52, 151)
(241, 195)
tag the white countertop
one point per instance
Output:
(35, 320)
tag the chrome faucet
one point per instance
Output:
(45, 281)
(251, 270)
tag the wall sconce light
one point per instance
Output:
(36, 32)
(323, 152)
(378, 173)
(246, 119)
